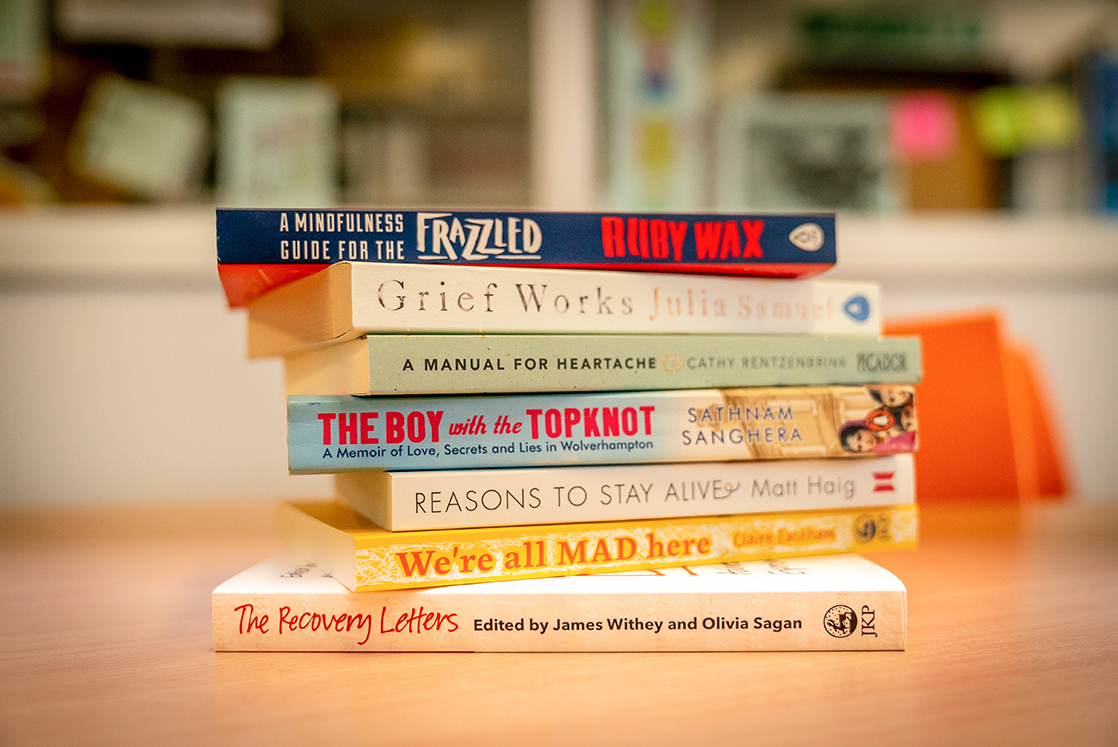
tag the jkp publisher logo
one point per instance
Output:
(857, 308)
(840, 621)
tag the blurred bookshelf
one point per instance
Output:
(129, 121)
(176, 243)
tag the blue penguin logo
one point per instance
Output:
(857, 308)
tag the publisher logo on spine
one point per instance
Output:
(865, 528)
(808, 237)
(840, 621)
(874, 362)
(857, 308)
(672, 363)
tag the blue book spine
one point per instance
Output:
(343, 433)
(258, 249)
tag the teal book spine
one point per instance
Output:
(475, 364)
(343, 433)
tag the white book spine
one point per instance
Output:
(452, 499)
(832, 603)
(508, 299)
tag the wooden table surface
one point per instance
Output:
(105, 639)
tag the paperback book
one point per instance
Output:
(351, 299)
(828, 603)
(258, 250)
(365, 557)
(344, 433)
(452, 499)
(473, 364)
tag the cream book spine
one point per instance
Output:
(827, 603)
(454, 499)
(348, 300)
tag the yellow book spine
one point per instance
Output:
(385, 560)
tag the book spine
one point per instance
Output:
(453, 499)
(452, 364)
(342, 433)
(414, 560)
(412, 621)
(411, 298)
(252, 241)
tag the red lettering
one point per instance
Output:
(443, 565)
(632, 237)
(610, 424)
(436, 417)
(678, 230)
(658, 238)
(677, 547)
(417, 621)
(731, 243)
(613, 238)
(534, 415)
(246, 625)
(553, 423)
(601, 553)
(347, 428)
(569, 555)
(629, 421)
(571, 416)
(752, 230)
(590, 421)
(707, 236)
(417, 427)
(367, 436)
(394, 427)
(327, 419)
(417, 565)
(647, 410)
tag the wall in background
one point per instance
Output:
(137, 394)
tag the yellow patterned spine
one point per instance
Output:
(441, 557)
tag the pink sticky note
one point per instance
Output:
(924, 126)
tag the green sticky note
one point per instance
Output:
(998, 120)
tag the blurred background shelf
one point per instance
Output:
(161, 243)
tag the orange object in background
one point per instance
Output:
(984, 424)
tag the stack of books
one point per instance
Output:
(574, 432)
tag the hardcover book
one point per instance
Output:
(345, 433)
(450, 499)
(352, 299)
(258, 250)
(828, 603)
(364, 557)
(473, 364)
